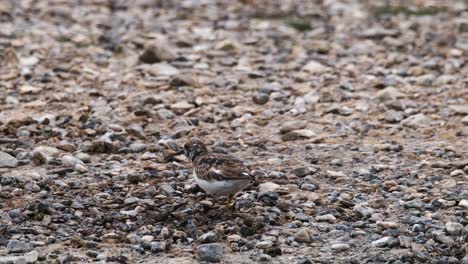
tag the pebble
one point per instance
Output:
(212, 252)
(315, 67)
(137, 147)
(293, 125)
(264, 244)
(417, 121)
(453, 228)
(363, 210)
(208, 237)
(301, 172)
(267, 197)
(233, 238)
(268, 186)
(7, 161)
(302, 236)
(384, 242)
(405, 241)
(157, 247)
(261, 98)
(71, 161)
(16, 246)
(326, 218)
(463, 203)
(308, 187)
(27, 258)
(340, 247)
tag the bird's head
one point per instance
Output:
(193, 148)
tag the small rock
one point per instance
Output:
(147, 239)
(181, 107)
(268, 186)
(389, 93)
(302, 134)
(301, 172)
(208, 237)
(302, 236)
(134, 239)
(264, 244)
(315, 67)
(326, 218)
(405, 242)
(463, 203)
(442, 238)
(393, 116)
(212, 252)
(417, 121)
(167, 189)
(7, 161)
(383, 242)
(453, 228)
(308, 187)
(16, 246)
(137, 147)
(340, 247)
(27, 258)
(363, 210)
(233, 238)
(267, 197)
(261, 98)
(293, 125)
(157, 247)
(459, 109)
(70, 161)
(163, 68)
(159, 50)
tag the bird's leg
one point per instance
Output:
(229, 201)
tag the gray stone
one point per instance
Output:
(363, 210)
(383, 242)
(405, 241)
(208, 237)
(7, 161)
(16, 246)
(340, 247)
(30, 257)
(212, 252)
(71, 161)
(137, 147)
(158, 247)
(453, 228)
(293, 125)
(417, 121)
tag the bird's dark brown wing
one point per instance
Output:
(217, 167)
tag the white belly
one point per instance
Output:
(221, 188)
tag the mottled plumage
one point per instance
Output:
(216, 173)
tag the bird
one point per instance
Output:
(217, 174)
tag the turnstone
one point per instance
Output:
(216, 173)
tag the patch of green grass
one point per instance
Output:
(408, 11)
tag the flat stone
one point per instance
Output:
(315, 67)
(268, 186)
(383, 242)
(16, 246)
(340, 247)
(293, 125)
(7, 161)
(463, 203)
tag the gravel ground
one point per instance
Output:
(353, 116)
